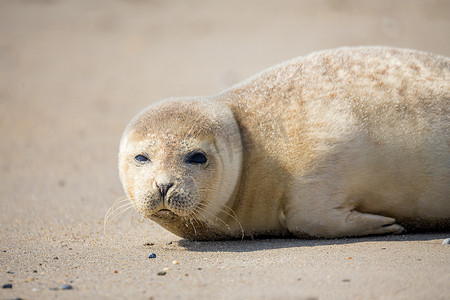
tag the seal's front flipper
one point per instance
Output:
(358, 224)
(341, 222)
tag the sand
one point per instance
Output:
(73, 73)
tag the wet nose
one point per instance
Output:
(163, 188)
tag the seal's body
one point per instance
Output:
(346, 142)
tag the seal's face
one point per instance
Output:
(169, 172)
(176, 165)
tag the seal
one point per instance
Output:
(344, 142)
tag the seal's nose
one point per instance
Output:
(163, 188)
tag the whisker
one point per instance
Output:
(192, 223)
(116, 209)
(109, 211)
(125, 206)
(123, 211)
(195, 213)
(217, 218)
(234, 216)
(198, 212)
(113, 214)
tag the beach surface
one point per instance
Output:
(74, 73)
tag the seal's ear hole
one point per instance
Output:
(196, 158)
(141, 159)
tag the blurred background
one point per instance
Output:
(73, 73)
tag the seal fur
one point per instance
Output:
(344, 142)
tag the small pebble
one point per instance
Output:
(66, 287)
(446, 242)
(169, 243)
(149, 244)
(35, 271)
(166, 269)
(152, 255)
(175, 262)
(10, 272)
(115, 271)
(346, 280)
(162, 273)
(7, 286)
(3, 250)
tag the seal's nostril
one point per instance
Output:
(163, 188)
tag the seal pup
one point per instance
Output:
(344, 142)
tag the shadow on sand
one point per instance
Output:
(249, 245)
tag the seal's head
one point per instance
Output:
(180, 162)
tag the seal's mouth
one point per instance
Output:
(164, 214)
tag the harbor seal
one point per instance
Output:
(344, 142)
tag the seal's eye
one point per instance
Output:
(197, 158)
(141, 159)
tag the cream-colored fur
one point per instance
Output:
(346, 142)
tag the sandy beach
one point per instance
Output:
(72, 75)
